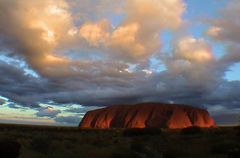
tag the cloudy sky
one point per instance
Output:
(59, 59)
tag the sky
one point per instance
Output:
(60, 59)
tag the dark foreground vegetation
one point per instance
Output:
(70, 142)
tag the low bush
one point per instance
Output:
(126, 154)
(9, 148)
(137, 147)
(191, 131)
(170, 154)
(231, 149)
(40, 144)
(141, 150)
(238, 130)
(141, 131)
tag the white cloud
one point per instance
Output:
(194, 50)
(95, 33)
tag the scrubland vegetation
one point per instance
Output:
(72, 142)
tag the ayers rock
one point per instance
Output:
(147, 115)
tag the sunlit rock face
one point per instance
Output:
(147, 115)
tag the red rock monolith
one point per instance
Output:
(147, 115)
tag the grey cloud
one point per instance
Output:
(225, 29)
(2, 101)
(88, 10)
(81, 109)
(164, 86)
(72, 120)
(12, 105)
(47, 112)
(225, 116)
(227, 119)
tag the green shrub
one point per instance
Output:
(191, 131)
(141, 131)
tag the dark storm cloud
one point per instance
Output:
(163, 87)
(17, 86)
(29, 91)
